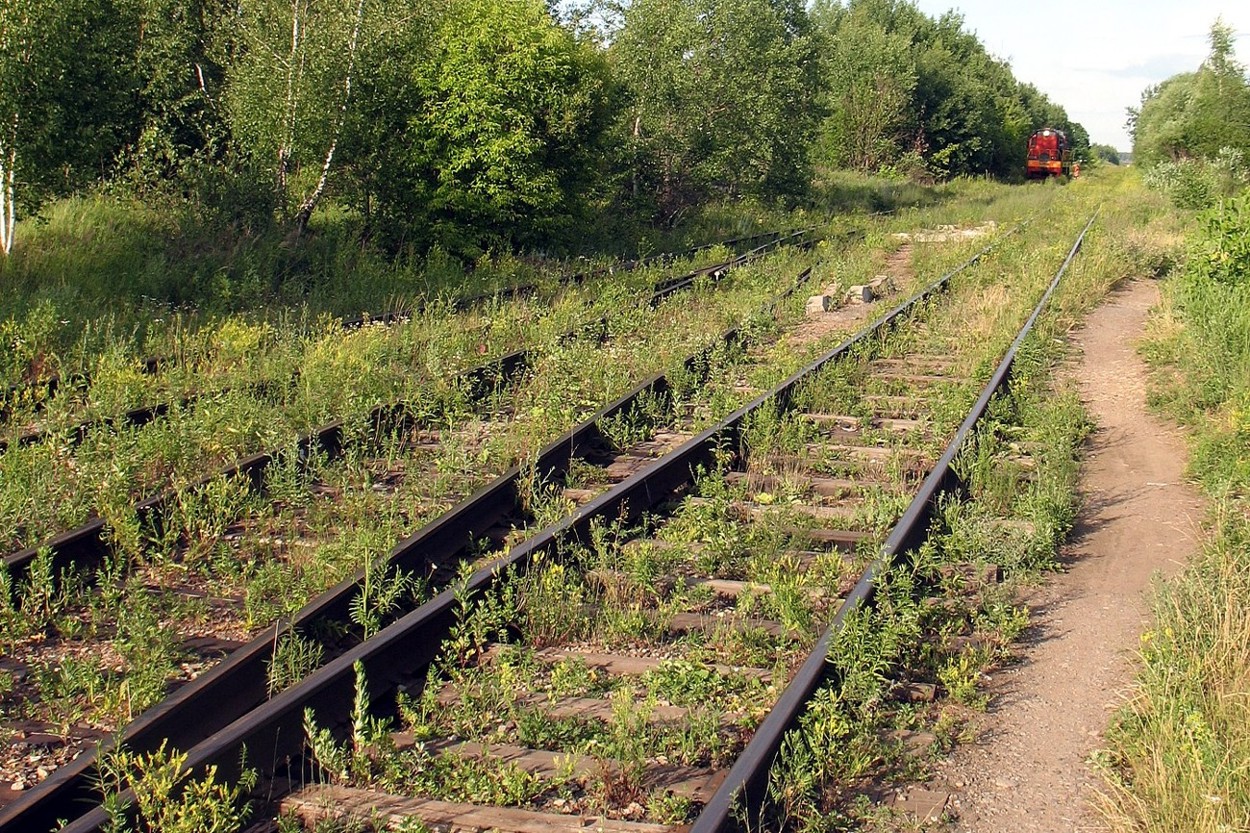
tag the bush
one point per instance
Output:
(1199, 183)
(1221, 252)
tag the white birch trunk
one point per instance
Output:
(306, 208)
(294, 71)
(8, 211)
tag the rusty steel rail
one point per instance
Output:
(746, 782)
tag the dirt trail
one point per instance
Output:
(1027, 771)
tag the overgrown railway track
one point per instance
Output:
(857, 475)
(153, 365)
(92, 546)
(40, 390)
(84, 546)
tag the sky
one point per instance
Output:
(1095, 57)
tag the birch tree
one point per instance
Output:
(289, 90)
(67, 99)
(16, 53)
(8, 174)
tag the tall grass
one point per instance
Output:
(1179, 751)
(1181, 746)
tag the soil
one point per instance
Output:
(1028, 769)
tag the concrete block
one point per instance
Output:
(818, 304)
(860, 294)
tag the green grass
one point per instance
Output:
(1177, 752)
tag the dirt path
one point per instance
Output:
(1027, 771)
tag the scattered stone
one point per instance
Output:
(916, 693)
(860, 294)
(881, 285)
(914, 743)
(927, 806)
(819, 304)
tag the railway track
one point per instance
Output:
(153, 365)
(856, 475)
(84, 546)
(85, 557)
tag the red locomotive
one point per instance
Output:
(1050, 154)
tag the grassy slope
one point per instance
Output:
(100, 273)
(1179, 750)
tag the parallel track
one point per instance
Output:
(152, 365)
(83, 547)
(241, 681)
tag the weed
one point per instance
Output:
(167, 798)
(666, 807)
(551, 605)
(960, 677)
(348, 761)
(448, 776)
(294, 657)
(381, 593)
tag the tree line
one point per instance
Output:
(1193, 130)
(471, 124)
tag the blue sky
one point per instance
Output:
(1096, 56)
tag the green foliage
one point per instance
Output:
(1221, 250)
(1105, 153)
(461, 126)
(448, 776)
(1176, 751)
(507, 118)
(345, 762)
(720, 99)
(914, 95)
(167, 798)
(1210, 350)
(67, 92)
(181, 130)
(1195, 115)
(870, 79)
(294, 657)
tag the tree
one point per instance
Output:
(180, 59)
(1106, 153)
(901, 82)
(721, 99)
(487, 134)
(289, 88)
(869, 81)
(68, 102)
(1195, 114)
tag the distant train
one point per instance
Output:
(1050, 154)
